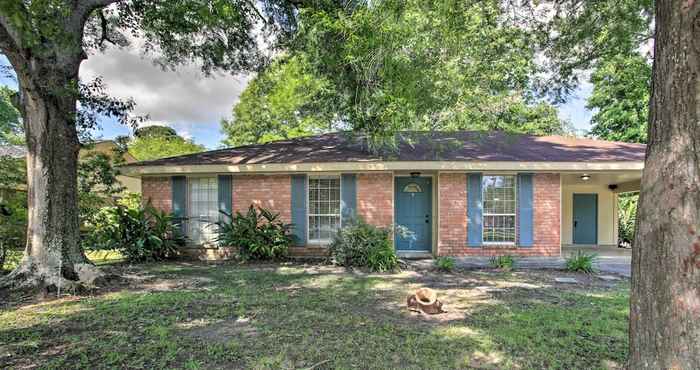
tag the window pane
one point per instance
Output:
(203, 209)
(499, 204)
(324, 208)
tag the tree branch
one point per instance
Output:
(84, 8)
(9, 16)
(252, 5)
(104, 35)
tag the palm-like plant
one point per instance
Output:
(259, 233)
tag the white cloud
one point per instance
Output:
(185, 99)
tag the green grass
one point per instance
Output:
(197, 316)
(14, 256)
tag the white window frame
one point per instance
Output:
(515, 214)
(322, 242)
(189, 217)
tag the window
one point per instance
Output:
(324, 208)
(203, 209)
(499, 209)
(412, 188)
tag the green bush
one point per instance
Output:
(505, 263)
(140, 234)
(581, 262)
(13, 224)
(259, 234)
(360, 244)
(445, 263)
(626, 217)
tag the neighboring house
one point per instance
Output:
(15, 152)
(105, 146)
(457, 193)
(109, 147)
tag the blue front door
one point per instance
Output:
(414, 213)
(585, 219)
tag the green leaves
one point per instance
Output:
(386, 66)
(622, 86)
(150, 145)
(284, 102)
(259, 234)
(363, 245)
(581, 262)
(218, 35)
(11, 130)
(139, 234)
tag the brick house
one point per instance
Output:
(461, 193)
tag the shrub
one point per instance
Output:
(626, 217)
(505, 263)
(445, 263)
(13, 225)
(259, 234)
(140, 234)
(360, 244)
(581, 262)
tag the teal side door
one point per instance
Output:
(585, 218)
(414, 213)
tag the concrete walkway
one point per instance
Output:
(610, 261)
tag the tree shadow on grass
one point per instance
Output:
(285, 317)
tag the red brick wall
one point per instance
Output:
(452, 209)
(547, 209)
(375, 198)
(273, 192)
(452, 239)
(159, 191)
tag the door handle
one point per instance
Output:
(427, 219)
(575, 223)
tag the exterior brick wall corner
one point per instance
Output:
(158, 190)
(375, 198)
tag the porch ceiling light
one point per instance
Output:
(585, 177)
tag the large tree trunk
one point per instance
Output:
(53, 257)
(665, 301)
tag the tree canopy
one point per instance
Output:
(393, 65)
(285, 101)
(155, 131)
(11, 131)
(620, 98)
(154, 142)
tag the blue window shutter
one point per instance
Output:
(179, 194)
(225, 195)
(299, 218)
(474, 210)
(348, 198)
(525, 210)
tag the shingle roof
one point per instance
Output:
(14, 151)
(417, 146)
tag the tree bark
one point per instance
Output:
(53, 257)
(665, 299)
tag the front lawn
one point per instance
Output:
(188, 315)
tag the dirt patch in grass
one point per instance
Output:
(220, 331)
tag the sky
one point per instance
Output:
(194, 104)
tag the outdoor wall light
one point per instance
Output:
(585, 177)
